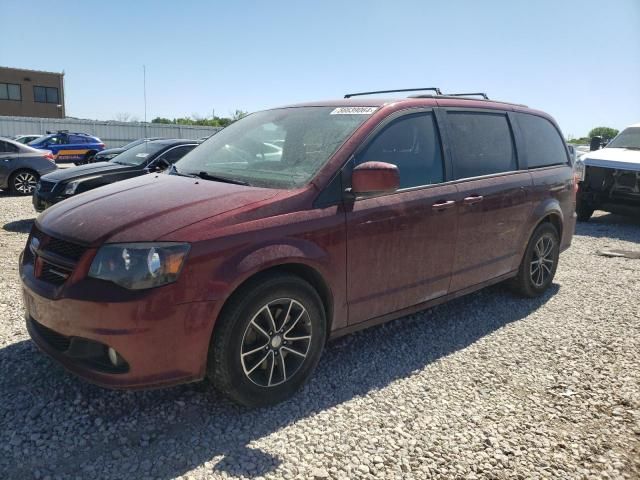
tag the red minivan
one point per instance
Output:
(292, 226)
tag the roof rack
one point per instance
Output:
(477, 94)
(433, 89)
(466, 97)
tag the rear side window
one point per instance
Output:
(177, 153)
(76, 139)
(482, 144)
(543, 144)
(6, 147)
(413, 145)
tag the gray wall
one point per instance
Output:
(113, 134)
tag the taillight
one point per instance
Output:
(101, 145)
(49, 156)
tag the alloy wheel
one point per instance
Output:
(25, 182)
(276, 342)
(542, 260)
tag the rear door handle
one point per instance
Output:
(443, 205)
(473, 199)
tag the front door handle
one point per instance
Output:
(473, 199)
(443, 205)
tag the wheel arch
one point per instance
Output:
(550, 212)
(299, 269)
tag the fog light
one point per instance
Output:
(113, 357)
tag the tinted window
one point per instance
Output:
(412, 144)
(176, 153)
(39, 94)
(482, 144)
(6, 147)
(77, 139)
(9, 91)
(543, 144)
(50, 139)
(138, 154)
(45, 94)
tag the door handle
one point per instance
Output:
(443, 205)
(473, 199)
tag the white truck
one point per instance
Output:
(609, 178)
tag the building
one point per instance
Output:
(31, 93)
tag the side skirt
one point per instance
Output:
(416, 308)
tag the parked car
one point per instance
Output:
(152, 156)
(21, 166)
(67, 146)
(109, 153)
(239, 267)
(610, 177)
(25, 138)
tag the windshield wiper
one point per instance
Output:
(215, 178)
(173, 170)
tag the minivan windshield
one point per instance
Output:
(280, 148)
(628, 138)
(139, 154)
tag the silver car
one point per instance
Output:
(21, 166)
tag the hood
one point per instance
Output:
(618, 158)
(145, 208)
(89, 170)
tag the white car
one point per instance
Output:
(610, 177)
(25, 138)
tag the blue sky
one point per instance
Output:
(578, 60)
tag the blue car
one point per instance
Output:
(69, 146)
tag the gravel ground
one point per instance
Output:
(487, 386)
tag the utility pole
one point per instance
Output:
(144, 87)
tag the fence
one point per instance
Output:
(113, 134)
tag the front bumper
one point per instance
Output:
(161, 343)
(42, 202)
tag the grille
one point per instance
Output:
(627, 180)
(46, 187)
(53, 273)
(54, 339)
(64, 249)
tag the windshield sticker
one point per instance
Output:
(354, 110)
(142, 155)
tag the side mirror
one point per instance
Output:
(595, 144)
(375, 177)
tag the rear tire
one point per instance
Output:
(539, 263)
(267, 340)
(23, 182)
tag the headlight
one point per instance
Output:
(71, 188)
(579, 170)
(138, 266)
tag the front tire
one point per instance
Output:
(539, 263)
(583, 209)
(267, 341)
(23, 182)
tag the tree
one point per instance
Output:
(580, 141)
(161, 120)
(238, 114)
(122, 116)
(604, 132)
